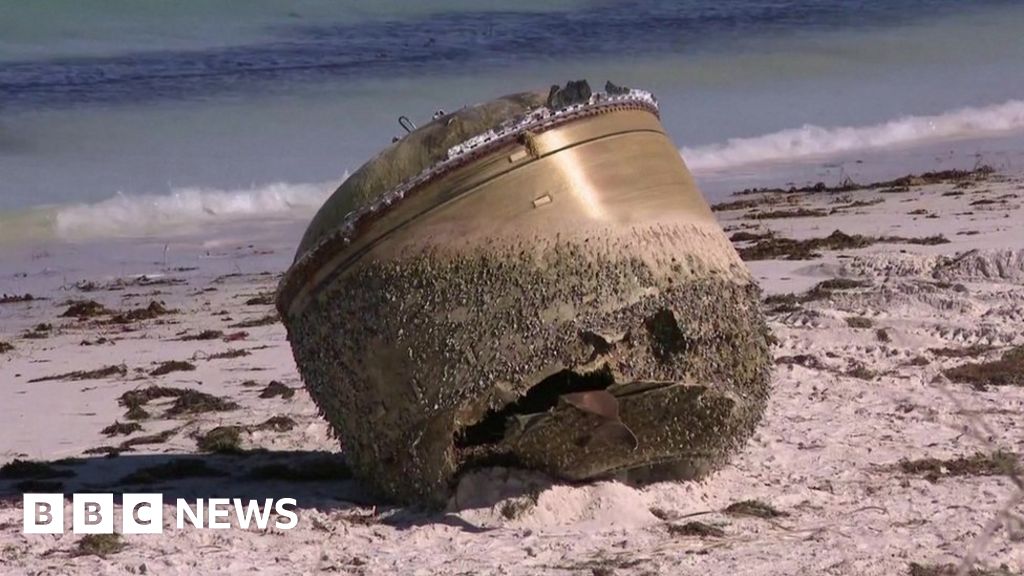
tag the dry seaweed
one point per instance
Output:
(204, 335)
(859, 322)
(972, 351)
(187, 401)
(696, 529)
(222, 440)
(101, 545)
(754, 508)
(158, 438)
(275, 389)
(999, 463)
(82, 309)
(805, 360)
(154, 310)
(859, 370)
(744, 236)
(737, 205)
(794, 213)
(261, 300)
(172, 366)
(267, 320)
(121, 429)
(16, 298)
(39, 331)
(105, 372)
(785, 303)
(777, 247)
(276, 424)
(236, 353)
(954, 570)
(5, 347)
(1006, 371)
(195, 402)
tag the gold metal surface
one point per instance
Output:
(608, 171)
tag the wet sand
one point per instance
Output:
(879, 449)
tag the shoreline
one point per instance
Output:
(874, 328)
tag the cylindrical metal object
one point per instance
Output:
(553, 294)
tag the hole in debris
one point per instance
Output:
(542, 397)
(666, 337)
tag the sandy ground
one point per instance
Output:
(859, 388)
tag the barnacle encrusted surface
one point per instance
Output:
(409, 356)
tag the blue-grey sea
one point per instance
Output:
(146, 118)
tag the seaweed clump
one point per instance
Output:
(998, 463)
(1006, 371)
(777, 247)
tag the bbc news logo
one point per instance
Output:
(144, 513)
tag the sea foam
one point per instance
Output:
(815, 141)
(186, 208)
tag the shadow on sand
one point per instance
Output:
(316, 480)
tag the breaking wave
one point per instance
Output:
(811, 141)
(187, 209)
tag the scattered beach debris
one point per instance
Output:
(222, 440)
(101, 545)
(998, 463)
(776, 247)
(954, 570)
(154, 310)
(203, 335)
(859, 322)
(738, 204)
(805, 360)
(514, 508)
(265, 299)
(696, 529)
(39, 331)
(172, 366)
(196, 402)
(1006, 371)
(794, 213)
(187, 401)
(789, 302)
(860, 370)
(902, 184)
(5, 347)
(754, 508)
(267, 320)
(278, 423)
(83, 309)
(158, 438)
(16, 298)
(972, 351)
(121, 429)
(234, 353)
(275, 389)
(142, 281)
(99, 373)
(744, 236)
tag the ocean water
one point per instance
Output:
(138, 119)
